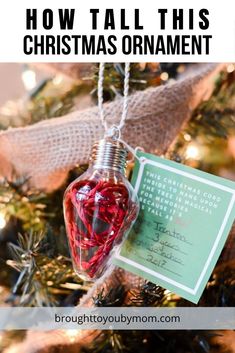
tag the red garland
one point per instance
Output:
(97, 214)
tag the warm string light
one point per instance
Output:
(72, 335)
(230, 68)
(168, 294)
(2, 220)
(192, 152)
(58, 79)
(13, 349)
(29, 79)
(164, 76)
(187, 137)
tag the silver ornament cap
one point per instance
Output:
(109, 153)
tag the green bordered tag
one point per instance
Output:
(184, 220)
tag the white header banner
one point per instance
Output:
(117, 31)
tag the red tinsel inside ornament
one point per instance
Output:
(97, 214)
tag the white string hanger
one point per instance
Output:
(125, 98)
(116, 129)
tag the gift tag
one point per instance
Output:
(184, 220)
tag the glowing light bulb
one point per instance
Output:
(2, 221)
(230, 68)
(187, 137)
(192, 152)
(58, 79)
(164, 76)
(29, 79)
(72, 334)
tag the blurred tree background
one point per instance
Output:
(36, 269)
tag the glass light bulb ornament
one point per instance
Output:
(99, 209)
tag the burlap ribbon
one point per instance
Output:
(46, 151)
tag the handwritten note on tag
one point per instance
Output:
(185, 218)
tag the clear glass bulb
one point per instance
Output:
(99, 208)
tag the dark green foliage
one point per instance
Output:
(114, 297)
(43, 280)
(151, 341)
(212, 123)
